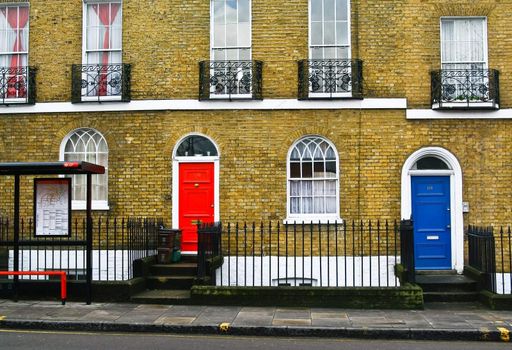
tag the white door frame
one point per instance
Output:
(176, 181)
(455, 173)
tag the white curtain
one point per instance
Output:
(463, 44)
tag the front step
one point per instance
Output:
(179, 269)
(452, 297)
(170, 282)
(447, 287)
(165, 297)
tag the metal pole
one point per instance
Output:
(16, 234)
(89, 240)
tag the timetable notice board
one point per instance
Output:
(52, 207)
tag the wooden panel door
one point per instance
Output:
(196, 200)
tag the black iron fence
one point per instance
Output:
(116, 244)
(208, 248)
(359, 253)
(333, 78)
(465, 88)
(100, 82)
(18, 85)
(407, 250)
(490, 253)
(230, 80)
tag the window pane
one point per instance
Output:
(219, 35)
(341, 10)
(317, 53)
(307, 188)
(295, 170)
(231, 11)
(318, 188)
(244, 34)
(432, 163)
(330, 205)
(245, 54)
(330, 188)
(328, 33)
(231, 35)
(243, 11)
(329, 10)
(295, 188)
(316, 33)
(196, 145)
(218, 12)
(295, 206)
(316, 10)
(330, 169)
(307, 171)
(319, 169)
(341, 33)
(319, 205)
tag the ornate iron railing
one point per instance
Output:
(465, 88)
(330, 79)
(18, 85)
(98, 82)
(230, 80)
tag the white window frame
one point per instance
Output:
(348, 46)
(81, 204)
(312, 217)
(455, 18)
(26, 52)
(213, 48)
(84, 44)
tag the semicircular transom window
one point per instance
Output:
(312, 177)
(196, 145)
(430, 163)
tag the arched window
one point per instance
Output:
(313, 189)
(88, 145)
(430, 163)
(196, 145)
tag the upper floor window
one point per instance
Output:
(102, 76)
(313, 189)
(463, 43)
(329, 29)
(13, 50)
(87, 145)
(103, 32)
(231, 30)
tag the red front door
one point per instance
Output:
(196, 200)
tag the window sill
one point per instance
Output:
(95, 205)
(315, 220)
(107, 98)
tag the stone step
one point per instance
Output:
(170, 282)
(450, 296)
(185, 258)
(446, 283)
(178, 269)
(166, 297)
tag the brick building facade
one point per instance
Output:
(377, 139)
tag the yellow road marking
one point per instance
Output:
(504, 334)
(224, 327)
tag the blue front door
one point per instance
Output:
(431, 220)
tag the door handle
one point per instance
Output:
(196, 222)
(448, 226)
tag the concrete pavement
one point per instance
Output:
(438, 321)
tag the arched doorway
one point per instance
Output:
(195, 182)
(432, 197)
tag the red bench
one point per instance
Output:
(62, 274)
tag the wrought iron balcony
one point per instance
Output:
(17, 85)
(98, 82)
(330, 79)
(230, 80)
(465, 88)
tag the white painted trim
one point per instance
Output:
(457, 221)
(315, 220)
(195, 105)
(95, 205)
(176, 181)
(460, 114)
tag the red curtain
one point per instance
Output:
(107, 14)
(18, 19)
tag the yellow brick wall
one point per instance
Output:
(372, 147)
(399, 42)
